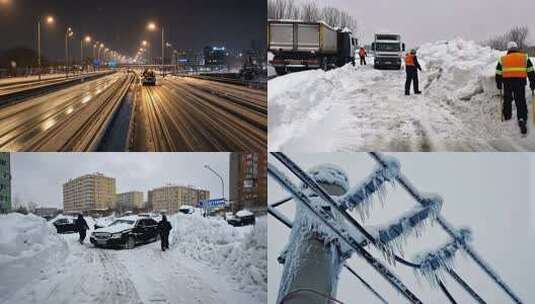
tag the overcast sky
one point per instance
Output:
(491, 193)
(420, 21)
(39, 177)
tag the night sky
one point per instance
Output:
(121, 24)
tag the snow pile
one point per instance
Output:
(304, 104)
(27, 242)
(461, 69)
(240, 252)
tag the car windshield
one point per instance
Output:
(129, 222)
(387, 47)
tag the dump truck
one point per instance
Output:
(388, 51)
(299, 45)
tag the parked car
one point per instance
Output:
(148, 78)
(186, 209)
(126, 232)
(65, 224)
(241, 218)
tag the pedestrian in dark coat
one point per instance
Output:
(164, 227)
(412, 66)
(81, 227)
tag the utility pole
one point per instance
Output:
(39, 47)
(310, 263)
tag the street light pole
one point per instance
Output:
(39, 47)
(68, 34)
(220, 178)
(163, 50)
(49, 20)
(82, 55)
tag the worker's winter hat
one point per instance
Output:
(511, 45)
(329, 174)
(413, 51)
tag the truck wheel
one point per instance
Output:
(280, 71)
(130, 243)
(324, 64)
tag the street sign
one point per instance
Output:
(211, 203)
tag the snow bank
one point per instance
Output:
(27, 242)
(304, 104)
(240, 252)
(461, 69)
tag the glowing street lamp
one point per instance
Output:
(68, 33)
(49, 20)
(151, 26)
(87, 39)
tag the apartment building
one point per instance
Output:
(129, 200)
(89, 193)
(248, 181)
(5, 183)
(171, 197)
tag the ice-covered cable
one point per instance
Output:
(394, 234)
(360, 197)
(434, 262)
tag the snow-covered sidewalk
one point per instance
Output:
(74, 273)
(361, 109)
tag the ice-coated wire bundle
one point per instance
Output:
(433, 263)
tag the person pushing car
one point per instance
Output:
(81, 227)
(164, 227)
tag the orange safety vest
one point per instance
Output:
(409, 60)
(514, 65)
(362, 52)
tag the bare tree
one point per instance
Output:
(283, 9)
(346, 20)
(310, 12)
(517, 34)
(31, 206)
(331, 15)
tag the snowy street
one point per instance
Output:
(361, 109)
(67, 272)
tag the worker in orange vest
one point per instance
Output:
(362, 55)
(511, 73)
(411, 67)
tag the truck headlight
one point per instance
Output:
(116, 235)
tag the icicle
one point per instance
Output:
(392, 237)
(360, 197)
(434, 263)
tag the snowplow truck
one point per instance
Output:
(388, 51)
(298, 45)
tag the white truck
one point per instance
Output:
(298, 45)
(388, 51)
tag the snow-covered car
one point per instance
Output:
(103, 222)
(126, 232)
(186, 209)
(65, 224)
(242, 218)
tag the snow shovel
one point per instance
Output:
(500, 108)
(533, 105)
